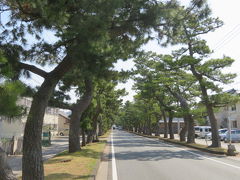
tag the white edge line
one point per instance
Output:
(220, 162)
(114, 168)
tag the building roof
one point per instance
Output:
(232, 91)
(63, 115)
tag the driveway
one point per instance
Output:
(59, 144)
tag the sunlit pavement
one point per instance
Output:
(58, 145)
(140, 158)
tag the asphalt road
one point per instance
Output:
(139, 158)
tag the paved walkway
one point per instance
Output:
(59, 144)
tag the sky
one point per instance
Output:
(223, 41)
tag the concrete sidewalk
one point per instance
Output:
(59, 144)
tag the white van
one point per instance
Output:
(203, 131)
(197, 131)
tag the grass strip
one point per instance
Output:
(78, 165)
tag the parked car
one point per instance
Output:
(197, 131)
(114, 126)
(221, 134)
(64, 132)
(202, 131)
(235, 136)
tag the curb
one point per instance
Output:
(95, 170)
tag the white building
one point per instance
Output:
(10, 127)
(229, 113)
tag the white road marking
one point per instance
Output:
(204, 157)
(114, 168)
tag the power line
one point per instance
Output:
(228, 37)
(228, 41)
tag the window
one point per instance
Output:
(234, 124)
(223, 131)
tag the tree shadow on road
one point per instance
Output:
(156, 155)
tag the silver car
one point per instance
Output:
(235, 136)
(221, 132)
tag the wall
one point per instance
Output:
(228, 112)
(174, 125)
(12, 145)
(10, 128)
(63, 123)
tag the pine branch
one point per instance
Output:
(33, 69)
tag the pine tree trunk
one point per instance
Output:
(5, 170)
(89, 136)
(184, 130)
(188, 120)
(94, 135)
(83, 137)
(96, 139)
(94, 131)
(206, 101)
(78, 109)
(101, 127)
(74, 131)
(214, 126)
(157, 130)
(170, 125)
(191, 130)
(32, 163)
(165, 124)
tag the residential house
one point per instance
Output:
(229, 113)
